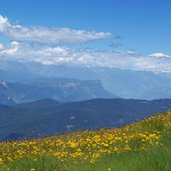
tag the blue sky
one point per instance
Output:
(143, 25)
(128, 34)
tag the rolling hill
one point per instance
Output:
(48, 117)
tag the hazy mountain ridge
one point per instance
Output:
(123, 83)
(63, 90)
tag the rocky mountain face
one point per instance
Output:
(123, 83)
(62, 90)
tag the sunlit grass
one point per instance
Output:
(127, 148)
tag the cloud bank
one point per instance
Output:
(48, 46)
(58, 55)
(48, 35)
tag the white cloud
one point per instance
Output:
(58, 55)
(3, 24)
(48, 35)
(1, 46)
(131, 52)
(159, 55)
(42, 51)
(10, 50)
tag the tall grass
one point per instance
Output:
(156, 157)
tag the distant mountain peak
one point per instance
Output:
(62, 90)
(4, 83)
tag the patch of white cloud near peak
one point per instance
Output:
(57, 55)
(48, 35)
(160, 55)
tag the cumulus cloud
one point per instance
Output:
(58, 55)
(48, 35)
(10, 50)
(3, 24)
(48, 49)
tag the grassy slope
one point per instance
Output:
(154, 158)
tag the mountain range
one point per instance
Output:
(49, 117)
(122, 83)
(62, 90)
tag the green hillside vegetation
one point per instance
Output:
(141, 146)
(47, 117)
